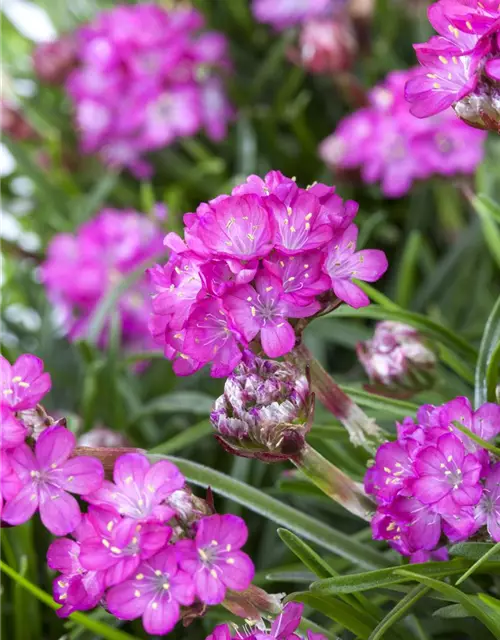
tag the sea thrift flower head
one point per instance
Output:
(435, 481)
(461, 66)
(214, 560)
(265, 411)
(155, 593)
(252, 266)
(388, 145)
(135, 93)
(283, 14)
(100, 253)
(48, 474)
(24, 383)
(397, 360)
(139, 489)
(53, 61)
(327, 45)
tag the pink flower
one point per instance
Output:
(488, 510)
(139, 488)
(47, 476)
(120, 544)
(343, 264)
(447, 477)
(155, 593)
(214, 559)
(12, 432)
(282, 14)
(10, 484)
(24, 383)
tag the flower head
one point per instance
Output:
(102, 252)
(54, 60)
(24, 383)
(397, 360)
(155, 593)
(265, 411)
(392, 147)
(146, 76)
(327, 45)
(250, 265)
(282, 14)
(214, 560)
(461, 64)
(48, 476)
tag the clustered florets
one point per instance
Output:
(434, 484)
(461, 64)
(391, 147)
(265, 411)
(81, 268)
(145, 547)
(145, 77)
(249, 263)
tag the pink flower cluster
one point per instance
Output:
(81, 268)
(251, 262)
(461, 66)
(434, 480)
(140, 546)
(147, 76)
(282, 628)
(392, 147)
(283, 14)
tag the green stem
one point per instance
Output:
(334, 482)
(362, 430)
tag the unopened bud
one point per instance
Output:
(13, 123)
(53, 61)
(397, 360)
(37, 420)
(265, 411)
(188, 507)
(327, 46)
(103, 437)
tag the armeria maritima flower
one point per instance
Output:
(392, 147)
(461, 65)
(146, 76)
(429, 483)
(282, 14)
(81, 268)
(251, 265)
(24, 383)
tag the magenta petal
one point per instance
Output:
(22, 506)
(54, 446)
(130, 471)
(59, 511)
(160, 616)
(94, 556)
(62, 555)
(350, 293)
(23, 462)
(369, 264)
(183, 589)
(123, 602)
(486, 421)
(81, 475)
(12, 432)
(277, 339)
(493, 68)
(429, 461)
(209, 589)
(430, 489)
(122, 570)
(467, 495)
(163, 478)
(238, 571)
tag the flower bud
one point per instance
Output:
(13, 123)
(53, 61)
(103, 437)
(265, 411)
(37, 420)
(397, 360)
(327, 46)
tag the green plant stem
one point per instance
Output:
(334, 482)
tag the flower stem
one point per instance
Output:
(334, 482)
(362, 430)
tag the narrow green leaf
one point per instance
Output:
(110, 300)
(452, 611)
(472, 603)
(95, 199)
(185, 438)
(290, 576)
(101, 630)
(336, 610)
(194, 402)
(427, 326)
(483, 443)
(477, 564)
(488, 360)
(399, 408)
(399, 611)
(299, 522)
(474, 550)
(407, 273)
(491, 231)
(387, 577)
(148, 199)
(485, 203)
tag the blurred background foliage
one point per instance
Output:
(444, 258)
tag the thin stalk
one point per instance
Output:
(334, 482)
